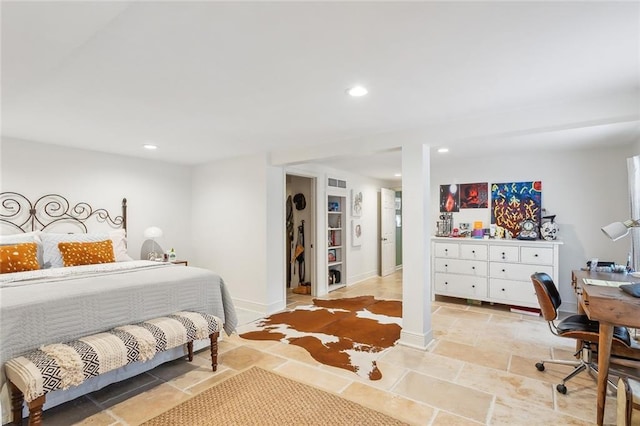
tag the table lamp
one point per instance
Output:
(152, 233)
(617, 230)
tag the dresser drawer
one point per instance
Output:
(504, 253)
(461, 286)
(473, 251)
(447, 250)
(536, 255)
(459, 266)
(516, 271)
(519, 293)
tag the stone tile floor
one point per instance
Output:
(478, 370)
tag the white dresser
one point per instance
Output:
(491, 270)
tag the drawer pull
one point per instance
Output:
(535, 255)
(503, 289)
(473, 286)
(473, 267)
(504, 270)
(473, 251)
(446, 283)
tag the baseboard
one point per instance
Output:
(398, 267)
(265, 309)
(359, 278)
(416, 340)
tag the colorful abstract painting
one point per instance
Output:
(474, 195)
(513, 202)
(449, 198)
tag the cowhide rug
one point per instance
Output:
(345, 333)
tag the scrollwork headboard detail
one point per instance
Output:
(23, 215)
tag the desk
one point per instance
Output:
(610, 306)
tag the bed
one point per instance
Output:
(52, 302)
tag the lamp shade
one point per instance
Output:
(153, 232)
(617, 230)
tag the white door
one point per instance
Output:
(387, 232)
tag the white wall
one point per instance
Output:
(236, 227)
(157, 193)
(586, 189)
(228, 216)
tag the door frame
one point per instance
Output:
(311, 230)
(391, 231)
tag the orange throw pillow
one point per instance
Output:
(74, 254)
(18, 258)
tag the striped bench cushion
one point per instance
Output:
(62, 365)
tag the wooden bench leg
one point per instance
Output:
(17, 400)
(35, 411)
(214, 350)
(190, 351)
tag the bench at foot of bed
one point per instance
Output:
(62, 365)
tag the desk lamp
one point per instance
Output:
(617, 230)
(152, 233)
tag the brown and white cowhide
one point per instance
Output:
(345, 333)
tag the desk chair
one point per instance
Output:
(578, 327)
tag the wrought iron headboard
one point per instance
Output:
(23, 215)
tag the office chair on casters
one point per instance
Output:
(578, 327)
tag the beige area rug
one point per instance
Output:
(260, 397)
(346, 333)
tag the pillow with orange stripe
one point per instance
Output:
(19, 257)
(89, 253)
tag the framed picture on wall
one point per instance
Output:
(356, 203)
(356, 232)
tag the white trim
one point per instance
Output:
(361, 277)
(415, 340)
(261, 308)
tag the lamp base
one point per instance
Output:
(152, 255)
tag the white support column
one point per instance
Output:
(416, 264)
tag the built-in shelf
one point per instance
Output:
(336, 275)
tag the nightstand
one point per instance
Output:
(179, 262)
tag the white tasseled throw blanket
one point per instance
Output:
(61, 365)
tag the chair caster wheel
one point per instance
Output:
(562, 389)
(540, 366)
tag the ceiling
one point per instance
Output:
(212, 80)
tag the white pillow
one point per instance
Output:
(27, 237)
(52, 255)
(119, 240)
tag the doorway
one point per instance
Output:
(387, 232)
(300, 225)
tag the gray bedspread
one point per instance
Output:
(34, 312)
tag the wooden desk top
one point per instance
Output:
(608, 304)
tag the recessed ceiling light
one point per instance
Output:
(150, 146)
(357, 91)
(398, 174)
(443, 150)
